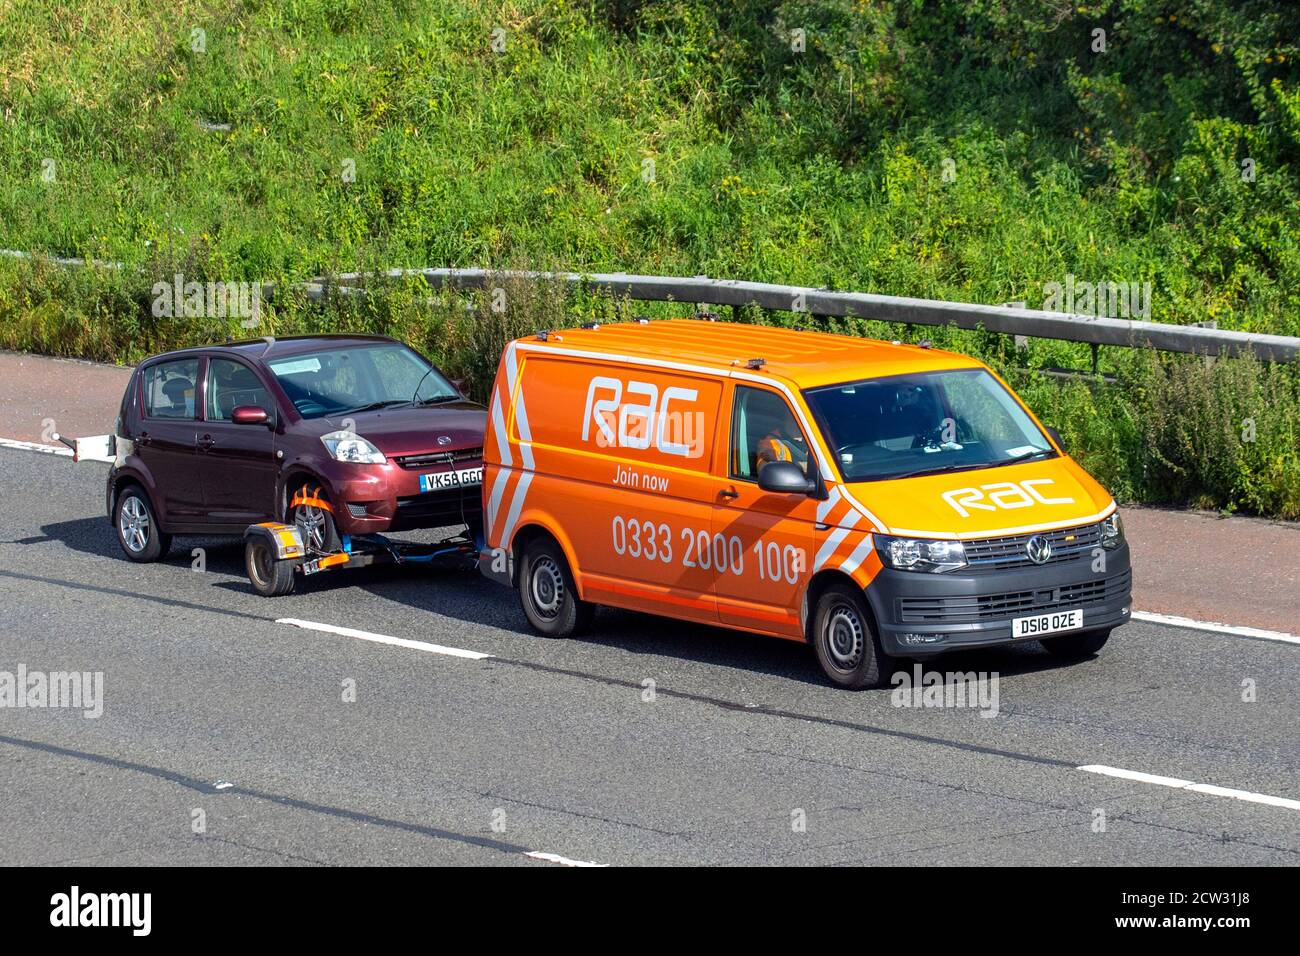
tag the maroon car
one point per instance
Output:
(339, 434)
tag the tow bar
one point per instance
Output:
(274, 555)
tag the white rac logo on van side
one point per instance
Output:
(1002, 494)
(653, 421)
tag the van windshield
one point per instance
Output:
(340, 381)
(924, 423)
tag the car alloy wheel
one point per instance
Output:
(133, 524)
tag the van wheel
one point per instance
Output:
(269, 576)
(138, 531)
(1073, 646)
(547, 592)
(846, 644)
(315, 523)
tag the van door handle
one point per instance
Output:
(729, 493)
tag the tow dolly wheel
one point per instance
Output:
(269, 576)
(548, 594)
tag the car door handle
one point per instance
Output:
(729, 493)
(143, 439)
(206, 442)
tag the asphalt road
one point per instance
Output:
(213, 711)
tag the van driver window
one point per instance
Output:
(763, 429)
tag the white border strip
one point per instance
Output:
(1213, 627)
(562, 860)
(384, 639)
(36, 446)
(1207, 788)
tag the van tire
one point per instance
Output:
(1076, 646)
(547, 592)
(847, 646)
(136, 523)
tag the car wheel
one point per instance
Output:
(1076, 645)
(138, 531)
(547, 592)
(269, 576)
(311, 513)
(847, 646)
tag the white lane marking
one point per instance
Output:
(384, 639)
(562, 860)
(1207, 788)
(36, 446)
(1214, 627)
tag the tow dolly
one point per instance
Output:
(274, 555)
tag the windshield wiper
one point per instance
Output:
(439, 400)
(1026, 456)
(386, 403)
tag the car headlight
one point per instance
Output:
(921, 554)
(346, 446)
(1112, 531)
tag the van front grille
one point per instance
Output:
(997, 554)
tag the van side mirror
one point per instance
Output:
(1056, 437)
(784, 478)
(249, 415)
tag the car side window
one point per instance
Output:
(763, 429)
(230, 385)
(169, 389)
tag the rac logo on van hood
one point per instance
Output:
(1005, 495)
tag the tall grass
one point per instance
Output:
(973, 151)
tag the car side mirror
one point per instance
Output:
(249, 415)
(784, 478)
(1056, 437)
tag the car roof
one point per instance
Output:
(271, 347)
(804, 359)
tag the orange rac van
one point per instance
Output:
(872, 499)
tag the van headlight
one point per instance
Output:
(346, 446)
(1112, 531)
(921, 554)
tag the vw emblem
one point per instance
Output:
(444, 439)
(1039, 549)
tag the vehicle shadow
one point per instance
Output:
(96, 536)
(465, 596)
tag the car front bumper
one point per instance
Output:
(920, 614)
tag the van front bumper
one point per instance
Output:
(920, 614)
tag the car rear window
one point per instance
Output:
(169, 388)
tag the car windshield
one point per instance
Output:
(925, 423)
(359, 378)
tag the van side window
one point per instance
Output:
(169, 389)
(230, 385)
(763, 429)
